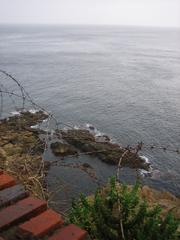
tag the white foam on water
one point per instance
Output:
(88, 125)
(33, 111)
(98, 133)
(65, 129)
(15, 113)
(45, 120)
(99, 136)
(145, 173)
(35, 126)
(46, 113)
(146, 159)
(93, 130)
(76, 127)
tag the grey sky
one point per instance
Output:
(121, 12)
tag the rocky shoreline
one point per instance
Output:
(105, 150)
(21, 150)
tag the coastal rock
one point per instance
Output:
(86, 165)
(78, 136)
(106, 151)
(103, 138)
(90, 127)
(21, 150)
(12, 149)
(62, 149)
(3, 154)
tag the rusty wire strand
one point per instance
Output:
(26, 98)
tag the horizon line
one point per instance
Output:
(88, 24)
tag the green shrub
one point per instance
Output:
(117, 213)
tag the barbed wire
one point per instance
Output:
(26, 99)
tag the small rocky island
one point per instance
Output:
(105, 150)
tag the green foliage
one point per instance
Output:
(116, 210)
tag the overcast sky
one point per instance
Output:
(164, 13)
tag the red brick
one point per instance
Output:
(23, 209)
(41, 225)
(6, 181)
(1, 172)
(71, 232)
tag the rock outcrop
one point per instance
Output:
(106, 151)
(21, 150)
(62, 149)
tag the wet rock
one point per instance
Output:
(62, 149)
(91, 128)
(86, 165)
(78, 136)
(106, 151)
(47, 165)
(103, 138)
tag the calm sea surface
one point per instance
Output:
(124, 81)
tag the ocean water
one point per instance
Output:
(125, 81)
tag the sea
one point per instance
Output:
(124, 81)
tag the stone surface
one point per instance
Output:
(6, 181)
(62, 149)
(12, 195)
(41, 224)
(106, 151)
(25, 208)
(71, 232)
(20, 146)
(103, 138)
